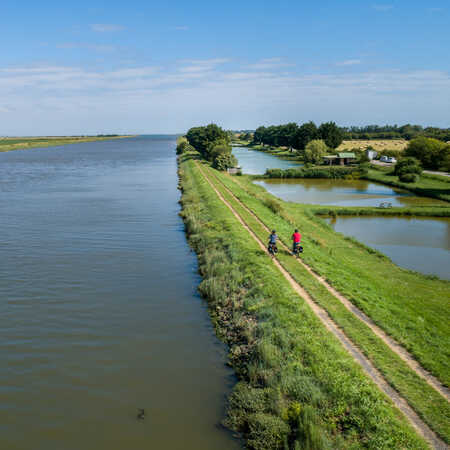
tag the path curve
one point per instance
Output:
(417, 423)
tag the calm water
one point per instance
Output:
(421, 244)
(254, 162)
(342, 192)
(99, 313)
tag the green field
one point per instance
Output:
(397, 305)
(23, 143)
(434, 186)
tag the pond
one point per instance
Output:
(254, 162)
(420, 244)
(99, 310)
(322, 191)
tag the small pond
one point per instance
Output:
(420, 244)
(254, 162)
(322, 191)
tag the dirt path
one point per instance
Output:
(388, 340)
(323, 316)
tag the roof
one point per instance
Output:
(330, 156)
(346, 155)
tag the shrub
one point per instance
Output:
(273, 205)
(430, 152)
(408, 177)
(181, 147)
(224, 161)
(314, 151)
(267, 431)
(407, 165)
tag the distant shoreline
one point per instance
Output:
(24, 143)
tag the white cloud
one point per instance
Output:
(95, 47)
(349, 62)
(269, 64)
(201, 65)
(106, 28)
(134, 97)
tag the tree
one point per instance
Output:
(203, 139)
(306, 133)
(314, 151)
(407, 165)
(223, 161)
(258, 135)
(331, 134)
(430, 152)
(288, 133)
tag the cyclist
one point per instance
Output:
(273, 242)
(296, 238)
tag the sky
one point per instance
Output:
(91, 67)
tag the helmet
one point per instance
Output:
(296, 230)
(273, 231)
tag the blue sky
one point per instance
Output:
(162, 67)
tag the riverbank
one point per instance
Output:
(427, 185)
(25, 143)
(280, 341)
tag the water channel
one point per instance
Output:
(99, 313)
(421, 244)
(254, 162)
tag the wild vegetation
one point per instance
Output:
(337, 172)
(23, 143)
(212, 142)
(406, 132)
(297, 387)
(408, 306)
(426, 185)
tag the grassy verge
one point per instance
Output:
(298, 388)
(417, 211)
(8, 144)
(427, 185)
(412, 307)
(430, 405)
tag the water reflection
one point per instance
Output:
(254, 162)
(420, 244)
(99, 313)
(342, 192)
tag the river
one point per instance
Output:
(99, 312)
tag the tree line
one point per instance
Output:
(213, 144)
(407, 132)
(297, 137)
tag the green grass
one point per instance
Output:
(424, 399)
(411, 307)
(417, 211)
(8, 144)
(298, 387)
(427, 185)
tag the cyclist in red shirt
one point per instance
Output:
(296, 238)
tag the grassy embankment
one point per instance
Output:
(427, 185)
(23, 143)
(298, 387)
(410, 307)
